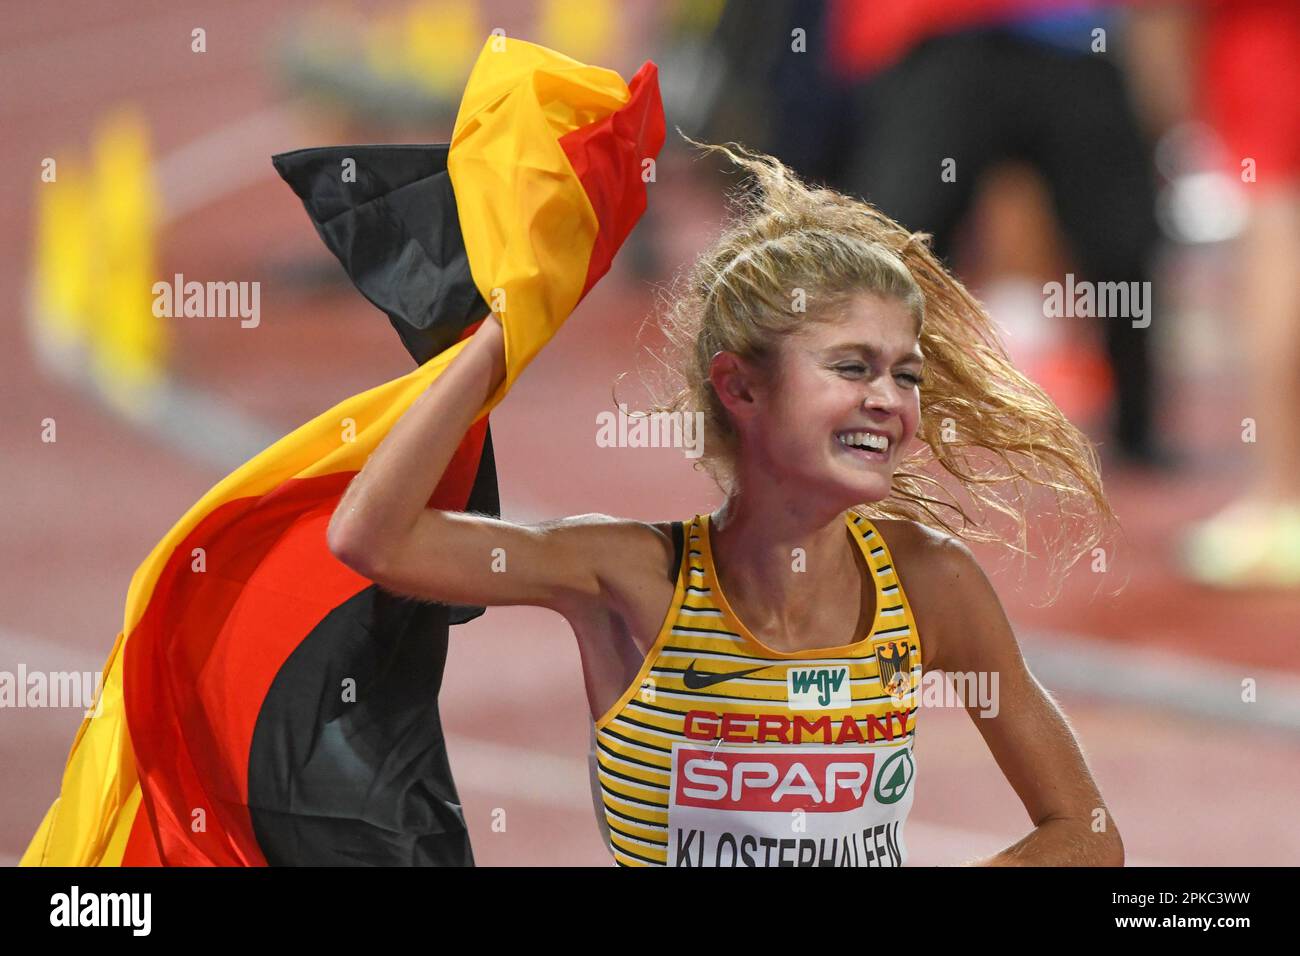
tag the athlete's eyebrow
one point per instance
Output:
(873, 352)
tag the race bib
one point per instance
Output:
(788, 805)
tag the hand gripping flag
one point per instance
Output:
(263, 704)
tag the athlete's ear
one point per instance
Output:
(737, 381)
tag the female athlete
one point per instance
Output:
(754, 673)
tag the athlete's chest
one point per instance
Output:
(726, 750)
(615, 640)
(874, 604)
(718, 761)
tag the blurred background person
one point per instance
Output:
(1250, 92)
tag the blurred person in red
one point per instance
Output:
(1250, 92)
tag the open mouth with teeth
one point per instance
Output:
(865, 445)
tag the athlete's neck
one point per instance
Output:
(781, 568)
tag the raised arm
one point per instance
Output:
(383, 530)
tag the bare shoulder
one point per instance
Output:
(941, 577)
(935, 552)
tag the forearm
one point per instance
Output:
(383, 501)
(1062, 842)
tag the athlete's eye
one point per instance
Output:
(855, 368)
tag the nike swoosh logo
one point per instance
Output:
(697, 680)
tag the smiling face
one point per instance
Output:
(844, 407)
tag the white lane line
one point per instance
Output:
(196, 424)
(1163, 680)
(19, 646)
(225, 160)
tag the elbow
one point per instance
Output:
(1117, 852)
(1109, 851)
(352, 549)
(1113, 849)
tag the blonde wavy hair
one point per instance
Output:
(982, 421)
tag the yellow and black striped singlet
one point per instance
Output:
(725, 752)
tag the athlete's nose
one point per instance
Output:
(882, 397)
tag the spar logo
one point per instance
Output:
(820, 780)
(810, 688)
(895, 776)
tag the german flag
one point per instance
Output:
(264, 704)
